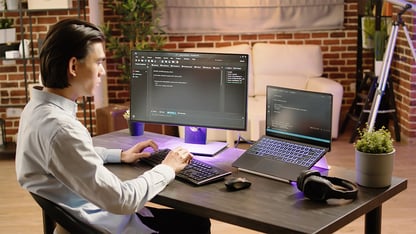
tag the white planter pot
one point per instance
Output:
(7, 35)
(12, 4)
(374, 170)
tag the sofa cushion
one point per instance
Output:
(276, 59)
(237, 49)
(287, 81)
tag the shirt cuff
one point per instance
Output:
(165, 170)
(113, 156)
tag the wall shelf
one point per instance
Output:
(15, 91)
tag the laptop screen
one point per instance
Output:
(298, 115)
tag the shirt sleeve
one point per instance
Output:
(74, 161)
(109, 155)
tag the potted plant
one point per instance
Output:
(372, 38)
(368, 25)
(7, 32)
(374, 155)
(135, 128)
(137, 28)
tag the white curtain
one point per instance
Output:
(251, 16)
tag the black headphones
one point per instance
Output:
(320, 188)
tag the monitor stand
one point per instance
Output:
(196, 142)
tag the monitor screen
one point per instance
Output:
(189, 89)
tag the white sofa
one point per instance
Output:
(291, 66)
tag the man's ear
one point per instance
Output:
(72, 67)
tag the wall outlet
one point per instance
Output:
(13, 112)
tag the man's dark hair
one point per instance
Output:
(66, 39)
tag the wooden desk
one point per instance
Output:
(267, 206)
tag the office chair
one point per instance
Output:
(53, 213)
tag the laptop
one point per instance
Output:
(294, 118)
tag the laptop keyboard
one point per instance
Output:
(301, 155)
(196, 172)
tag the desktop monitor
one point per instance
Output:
(196, 90)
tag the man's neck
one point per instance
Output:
(66, 93)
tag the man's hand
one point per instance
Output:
(178, 159)
(136, 152)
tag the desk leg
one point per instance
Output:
(373, 221)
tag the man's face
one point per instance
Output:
(90, 70)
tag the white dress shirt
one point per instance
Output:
(56, 159)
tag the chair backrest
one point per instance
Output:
(53, 213)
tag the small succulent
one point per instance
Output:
(6, 23)
(374, 141)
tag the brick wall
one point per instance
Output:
(404, 77)
(339, 52)
(13, 85)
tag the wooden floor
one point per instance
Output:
(20, 214)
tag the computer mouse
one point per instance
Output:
(237, 183)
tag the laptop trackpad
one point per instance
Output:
(275, 168)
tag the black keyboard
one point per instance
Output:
(196, 172)
(302, 155)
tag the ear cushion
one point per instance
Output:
(303, 175)
(317, 188)
(320, 188)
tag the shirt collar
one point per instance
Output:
(62, 102)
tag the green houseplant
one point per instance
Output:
(7, 31)
(6, 23)
(137, 27)
(374, 155)
(372, 38)
(368, 25)
(375, 141)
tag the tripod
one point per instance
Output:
(388, 54)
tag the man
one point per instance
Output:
(56, 159)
